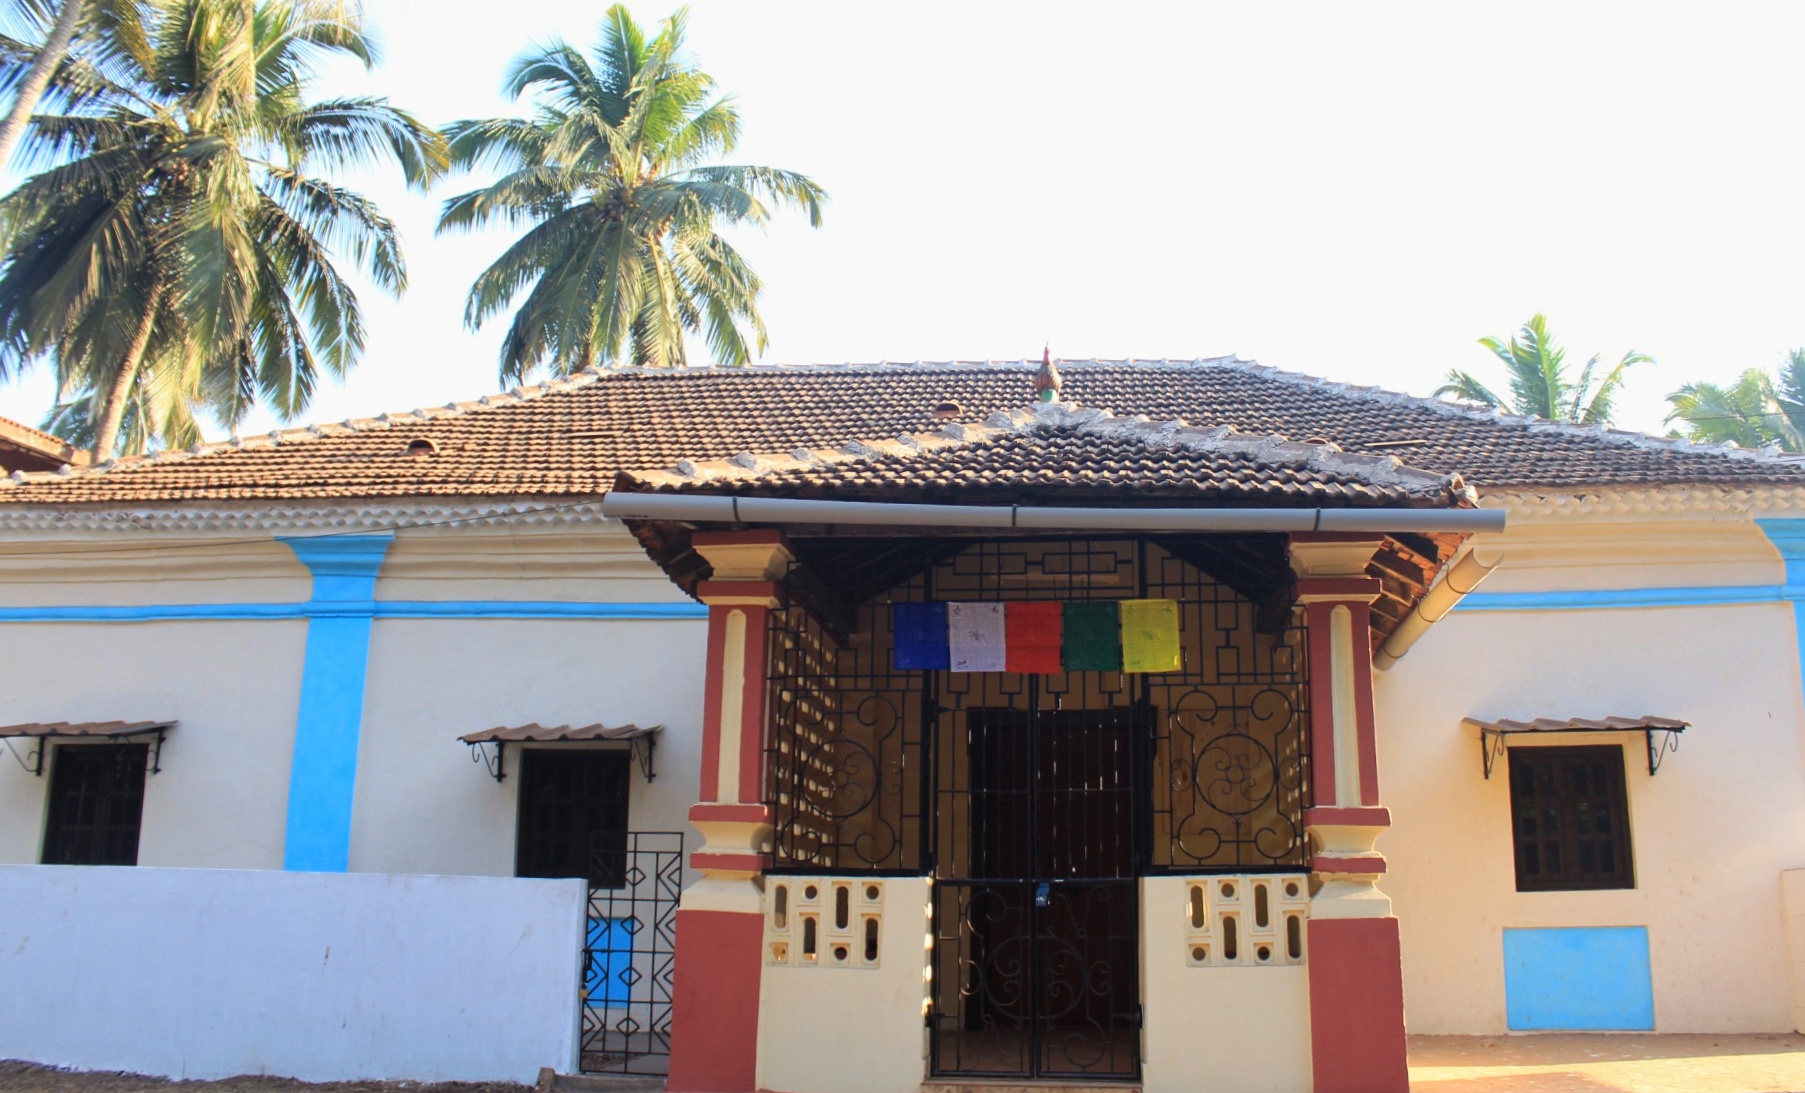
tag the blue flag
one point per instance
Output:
(918, 637)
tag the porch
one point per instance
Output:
(1043, 793)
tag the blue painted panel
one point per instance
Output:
(607, 979)
(1584, 978)
(323, 778)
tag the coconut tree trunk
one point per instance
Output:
(37, 78)
(113, 411)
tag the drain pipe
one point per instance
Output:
(1461, 578)
(778, 510)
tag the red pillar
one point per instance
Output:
(1356, 971)
(720, 921)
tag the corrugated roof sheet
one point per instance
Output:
(554, 733)
(84, 728)
(1578, 724)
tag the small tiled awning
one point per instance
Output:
(1492, 734)
(42, 731)
(642, 739)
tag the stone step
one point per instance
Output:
(1017, 1085)
(550, 1081)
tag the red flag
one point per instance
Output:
(1033, 632)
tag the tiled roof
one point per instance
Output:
(1090, 454)
(23, 448)
(570, 438)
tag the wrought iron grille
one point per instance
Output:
(628, 952)
(846, 754)
(868, 763)
(1036, 980)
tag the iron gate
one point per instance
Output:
(635, 880)
(1037, 916)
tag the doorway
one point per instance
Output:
(1037, 903)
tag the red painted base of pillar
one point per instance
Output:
(1357, 1006)
(714, 1002)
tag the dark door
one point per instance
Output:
(1037, 970)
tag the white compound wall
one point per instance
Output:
(209, 973)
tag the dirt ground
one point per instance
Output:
(18, 1077)
(1592, 1063)
(1547, 1063)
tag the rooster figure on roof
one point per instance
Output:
(1048, 381)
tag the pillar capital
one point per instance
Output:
(763, 555)
(1362, 590)
(1329, 554)
(740, 593)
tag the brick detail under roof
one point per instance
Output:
(571, 438)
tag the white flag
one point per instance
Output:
(975, 636)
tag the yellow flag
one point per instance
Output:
(1150, 636)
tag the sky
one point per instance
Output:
(1351, 191)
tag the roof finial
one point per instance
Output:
(1048, 381)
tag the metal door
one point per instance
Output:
(1036, 899)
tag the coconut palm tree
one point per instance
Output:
(1757, 411)
(177, 248)
(59, 45)
(1539, 386)
(622, 256)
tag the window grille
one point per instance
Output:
(567, 798)
(1570, 819)
(96, 804)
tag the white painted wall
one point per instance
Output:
(222, 797)
(1227, 1030)
(212, 973)
(1711, 832)
(422, 805)
(852, 1030)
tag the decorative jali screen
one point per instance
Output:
(1037, 800)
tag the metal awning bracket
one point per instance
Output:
(1670, 742)
(1491, 746)
(643, 747)
(32, 761)
(494, 761)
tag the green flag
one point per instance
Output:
(1093, 637)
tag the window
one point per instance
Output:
(573, 815)
(96, 804)
(1570, 819)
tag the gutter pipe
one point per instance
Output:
(1460, 578)
(735, 510)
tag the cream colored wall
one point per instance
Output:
(221, 799)
(1710, 833)
(422, 805)
(221, 568)
(1227, 1030)
(1563, 553)
(602, 564)
(852, 1030)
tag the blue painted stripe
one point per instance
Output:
(381, 609)
(1578, 979)
(1582, 599)
(323, 778)
(1788, 537)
